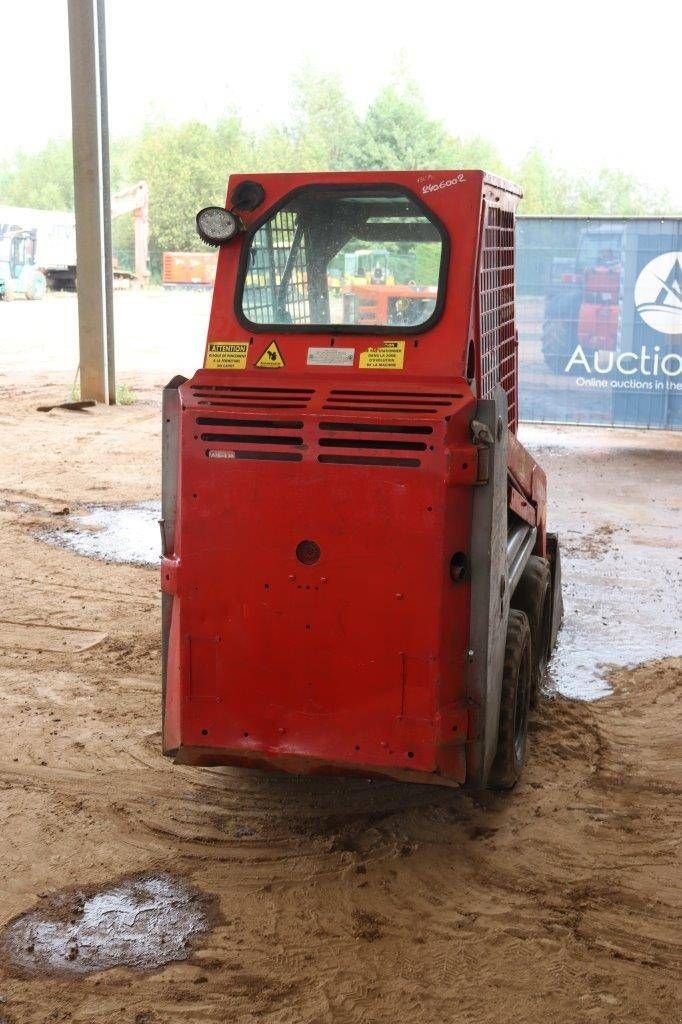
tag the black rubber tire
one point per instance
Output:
(514, 704)
(533, 595)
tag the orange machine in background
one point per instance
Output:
(189, 269)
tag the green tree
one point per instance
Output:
(613, 192)
(397, 132)
(186, 167)
(545, 189)
(477, 153)
(275, 150)
(42, 180)
(325, 126)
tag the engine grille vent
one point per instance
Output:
(377, 428)
(280, 424)
(419, 402)
(369, 460)
(388, 445)
(237, 397)
(262, 440)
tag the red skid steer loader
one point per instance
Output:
(357, 575)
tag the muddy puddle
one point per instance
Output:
(617, 614)
(127, 533)
(141, 922)
(622, 583)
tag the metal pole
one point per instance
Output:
(89, 204)
(106, 200)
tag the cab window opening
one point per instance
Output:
(344, 259)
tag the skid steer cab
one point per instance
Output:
(357, 575)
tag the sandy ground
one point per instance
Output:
(341, 901)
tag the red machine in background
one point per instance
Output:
(599, 314)
(584, 307)
(357, 574)
(373, 304)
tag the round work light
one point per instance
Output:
(215, 226)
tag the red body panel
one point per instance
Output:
(355, 661)
(334, 660)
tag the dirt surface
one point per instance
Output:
(340, 901)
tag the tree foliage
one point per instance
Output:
(184, 165)
(325, 126)
(397, 131)
(42, 180)
(187, 164)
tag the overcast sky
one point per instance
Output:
(594, 83)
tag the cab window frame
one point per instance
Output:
(383, 189)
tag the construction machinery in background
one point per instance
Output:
(37, 250)
(401, 305)
(583, 307)
(357, 573)
(18, 273)
(135, 200)
(361, 266)
(38, 247)
(188, 269)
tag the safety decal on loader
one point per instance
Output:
(388, 356)
(226, 355)
(271, 358)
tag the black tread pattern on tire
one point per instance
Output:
(506, 767)
(532, 590)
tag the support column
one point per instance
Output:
(90, 169)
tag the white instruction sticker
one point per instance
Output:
(331, 356)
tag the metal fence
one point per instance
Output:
(599, 312)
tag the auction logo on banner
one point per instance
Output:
(658, 293)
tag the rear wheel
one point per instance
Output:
(533, 595)
(514, 704)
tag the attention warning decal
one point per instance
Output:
(271, 358)
(388, 356)
(226, 355)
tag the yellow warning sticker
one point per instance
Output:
(271, 358)
(226, 355)
(388, 356)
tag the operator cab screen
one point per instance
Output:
(344, 259)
